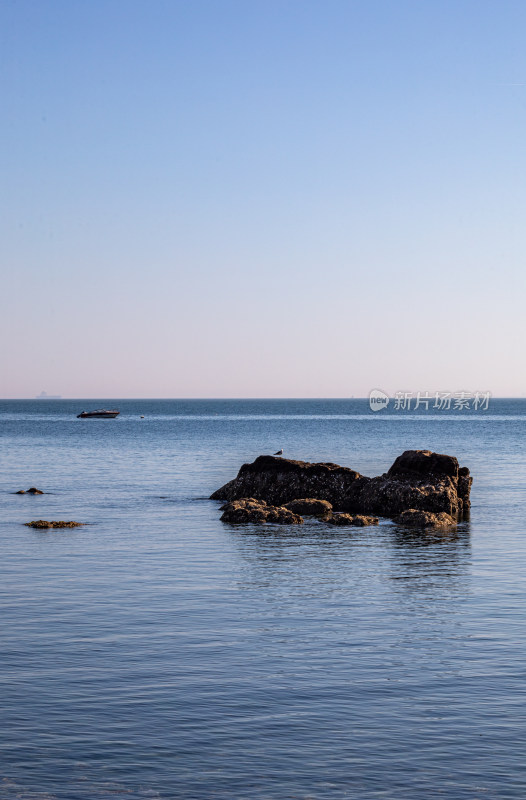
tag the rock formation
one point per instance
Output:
(418, 479)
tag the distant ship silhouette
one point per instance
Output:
(46, 396)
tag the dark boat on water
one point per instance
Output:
(101, 413)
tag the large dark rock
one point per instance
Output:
(390, 496)
(279, 480)
(418, 479)
(422, 463)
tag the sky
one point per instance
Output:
(232, 198)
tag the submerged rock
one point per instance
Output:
(358, 520)
(248, 509)
(413, 518)
(42, 523)
(418, 479)
(310, 507)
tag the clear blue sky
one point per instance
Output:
(260, 198)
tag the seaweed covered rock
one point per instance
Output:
(418, 479)
(248, 509)
(310, 507)
(42, 523)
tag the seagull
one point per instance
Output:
(279, 453)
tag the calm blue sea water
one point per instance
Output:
(159, 653)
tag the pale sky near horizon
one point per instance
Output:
(248, 198)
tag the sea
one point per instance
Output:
(157, 652)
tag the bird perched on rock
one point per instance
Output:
(279, 453)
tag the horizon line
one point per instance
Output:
(204, 399)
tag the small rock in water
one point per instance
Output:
(414, 518)
(42, 523)
(34, 491)
(358, 520)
